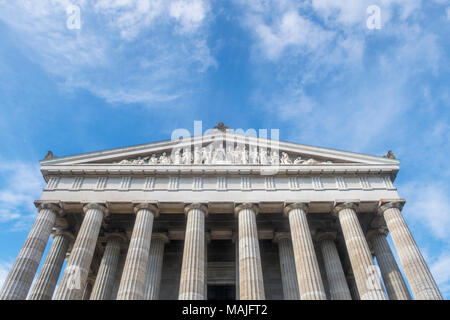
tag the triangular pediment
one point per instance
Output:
(220, 148)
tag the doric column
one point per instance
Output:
(393, 280)
(251, 283)
(106, 273)
(88, 288)
(235, 240)
(132, 283)
(154, 266)
(416, 270)
(335, 274)
(21, 275)
(45, 283)
(192, 282)
(352, 286)
(287, 266)
(367, 279)
(119, 271)
(76, 272)
(308, 272)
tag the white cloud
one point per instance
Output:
(4, 270)
(351, 12)
(441, 272)
(105, 56)
(428, 205)
(22, 183)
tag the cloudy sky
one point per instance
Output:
(131, 71)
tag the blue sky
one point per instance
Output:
(136, 70)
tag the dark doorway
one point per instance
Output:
(225, 292)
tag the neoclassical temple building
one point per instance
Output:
(220, 216)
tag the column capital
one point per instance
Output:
(50, 206)
(198, 206)
(161, 235)
(96, 206)
(280, 236)
(296, 205)
(344, 204)
(246, 205)
(120, 235)
(148, 206)
(385, 204)
(326, 235)
(64, 232)
(375, 231)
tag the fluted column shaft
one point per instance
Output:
(76, 272)
(308, 272)
(416, 270)
(335, 274)
(154, 267)
(367, 278)
(21, 275)
(118, 275)
(352, 286)
(45, 283)
(192, 282)
(133, 281)
(287, 266)
(393, 280)
(251, 283)
(104, 281)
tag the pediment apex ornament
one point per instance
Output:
(390, 155)
(345, 204)
(221, 127)
(385, 204)
(49, 155)
(289, 206)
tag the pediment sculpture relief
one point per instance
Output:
(218, 155)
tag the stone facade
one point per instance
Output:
(193, 220)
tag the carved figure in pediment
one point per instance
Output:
(125, 161)
(311, 162)
(298, 160)
(219, 155)
(187, 156)
(274, 158)
(327, 162)
(164, 159)
(263, 156)
(229, 157)
(237, 155)
(244, 156)
(197, 155)
(253, 155)
(153, 159)
(176, 158)
(206, 156)
(285, 158)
